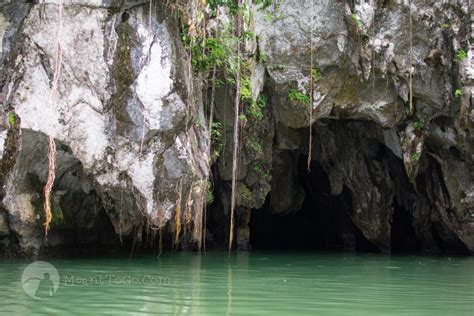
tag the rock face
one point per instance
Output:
(363, 53)
(122, 122)
(133, 145)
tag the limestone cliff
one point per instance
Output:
(391, 116)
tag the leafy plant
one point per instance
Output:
(11, 118)
(445, 26)
(255, 146)
(269, 17)
(298, 96)
(461, 55)
(216, 140)
(263, 4)
(315, 74)
(210, 196)
(458, 93)
(258, 168)
(245, 90)
(415, 157)
(255, 108)
(357, 20)
(246, 193)
(230, 4)
(216, 128)
(208, 53)
(419, 125)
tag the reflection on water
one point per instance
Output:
(250, 284)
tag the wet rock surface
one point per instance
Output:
(133, 150)
(123, 128)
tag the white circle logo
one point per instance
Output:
(40, 280)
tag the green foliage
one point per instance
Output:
(11, 118)
(258, 168)
(197, 121)
(461, 55)
(208, 53)
(247, 35)
(419, 125)
(260, 57)
(269, 16)
(297, 96)
(210, 194)
(445, 26)
(210, 197)
(245, 90)
(458, 93)
(255, 146)
(216, 140)
(216, 131)
(230, 4)
(315, 74)
(415, 157)
(233, 8)
(246, 193)
(357, 20)
(243, 118)
(255, 108)
(263, 4)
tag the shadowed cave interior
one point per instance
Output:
(322, 223)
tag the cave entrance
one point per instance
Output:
(322, 223)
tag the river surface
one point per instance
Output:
(257, 283)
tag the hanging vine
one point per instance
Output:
(52, 103)
(410, 78)
(236, 129)
(310, 141)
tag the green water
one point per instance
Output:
(248, 284)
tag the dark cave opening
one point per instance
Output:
(403, 237)
(322, 223)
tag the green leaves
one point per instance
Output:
(357, 20)
(255, 108)
(461, 55)
(207, 53)
(415, 157)
(263, 4)
(216, 131)
(230, 4)
(11, 118)
(419, 125)
(245, 90)
(295, 95)
(315, 74)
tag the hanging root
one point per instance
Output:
(410, 80)
(49, 183)
(177, 216)
(121, 213)
(234, 174)
(198, 220)
(150, 11)
(310, 96)
(51, 144)
(236, 134)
